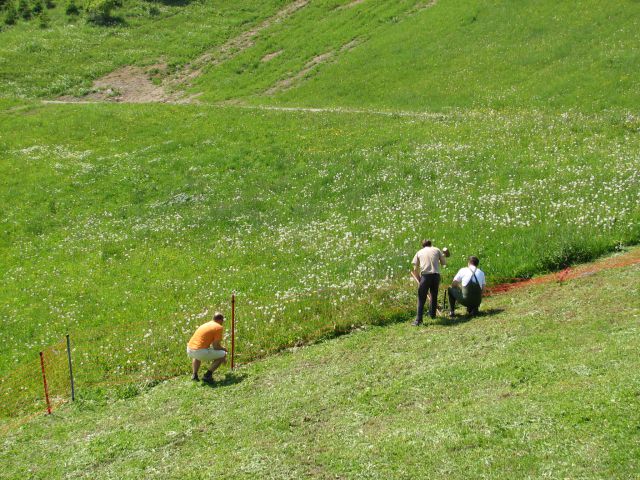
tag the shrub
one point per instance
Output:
(38, 7)
(50, 4)
(12, 14)
(100, 11)
(72, 8)
(44, 20)
(24, 10)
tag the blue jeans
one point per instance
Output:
(429, 282)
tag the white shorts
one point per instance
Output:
(206, 354)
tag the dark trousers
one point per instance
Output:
(429, 282)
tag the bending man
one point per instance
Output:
(467, 287)
(205, 346)
(426, 263)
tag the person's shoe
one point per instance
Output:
(195, 378)
(416, 323)
(207, 377)
(452, 314)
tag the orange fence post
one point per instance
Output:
(73, 390)
(44, 380)
(233, 329)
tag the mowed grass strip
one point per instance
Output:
(124, 225)
(543, 384)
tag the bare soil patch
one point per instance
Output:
(350, 4)
(270, 56)
(235, 45)
(130, 84)
(135, 84)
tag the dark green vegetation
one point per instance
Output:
(544, 384)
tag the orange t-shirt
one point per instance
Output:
(205, 335)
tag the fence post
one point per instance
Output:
(44, 380)
(73, 390)
(233, 329)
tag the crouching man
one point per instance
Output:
(467, 287)
(205, 346)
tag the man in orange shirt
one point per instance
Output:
(205, 346)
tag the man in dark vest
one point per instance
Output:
(467, 287)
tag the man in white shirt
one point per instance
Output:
(426, 271)
(467, 287)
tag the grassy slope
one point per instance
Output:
(67, 57)
(529, 54)
(545, 385)
(466, 54)
(110, 212)
(131, 221)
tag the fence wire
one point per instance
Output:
(22, 395)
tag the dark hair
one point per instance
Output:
(426, 243)
(473, 260)
(218, 316)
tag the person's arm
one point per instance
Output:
(216, 345)
(443, 259)
(415, 273)
(457, 280)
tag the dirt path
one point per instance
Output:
(131, 84)
(233, 46)
(623, 260)
(291, 81)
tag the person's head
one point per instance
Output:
(426, 243)
(218, 317)
(473, 260)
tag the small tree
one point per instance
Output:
(12, 14)
(24, 10)
(72, 8)
(44, 20)
(38, 7)
(100, 11)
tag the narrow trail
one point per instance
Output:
(571, 273)
(275, 108)
(234, 46)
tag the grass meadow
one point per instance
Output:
(126, 226)
(509, 130)
(544, 385)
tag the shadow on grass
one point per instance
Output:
(230, 378)
(172, 3)
(448, 322)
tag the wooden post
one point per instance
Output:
(233, 329)
(44, 380)
(73, 390)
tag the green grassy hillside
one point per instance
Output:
(528, 54)
(408, 54)
(124, 225)
(129, 225)
(544, 384)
